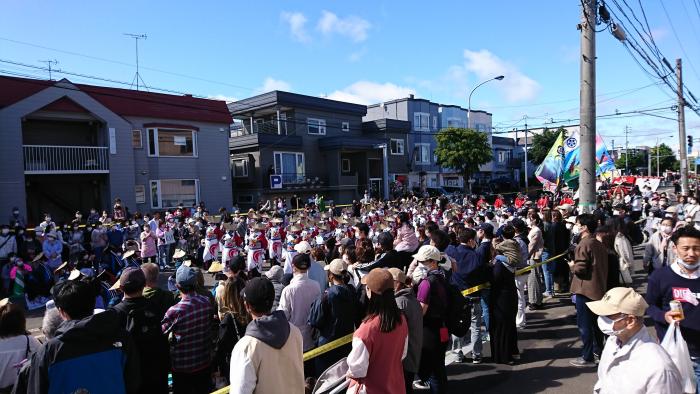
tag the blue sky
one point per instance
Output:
(365, 51)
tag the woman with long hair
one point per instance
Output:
(233, 323)
(380, 343)
(16, 345)
(406, 240)
(623, 248)
(605, 235)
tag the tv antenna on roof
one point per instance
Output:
(137, 77)
(49, 63)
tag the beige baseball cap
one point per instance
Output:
(619, 300)
(336, 267)
(427, 252)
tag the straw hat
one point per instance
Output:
(179, 253)
(74, 275)
(216, 266)
(128, 254)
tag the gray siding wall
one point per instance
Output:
(211, 166)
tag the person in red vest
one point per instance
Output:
(566, 200)
(520, 201)
(498, 203)
(379, 344)
(543, 202)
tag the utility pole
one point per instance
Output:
(587, 178)
(526, 177)
(681, 128)
(49, 63)
(137, 77)
(627, 152)
(658, 172)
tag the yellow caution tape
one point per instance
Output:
(475, 289)
(528, 269)
(313, 353)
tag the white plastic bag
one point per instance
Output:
(677, 349)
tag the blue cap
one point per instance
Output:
(186, 276)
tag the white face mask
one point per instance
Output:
(606, 325)
(616, 212)
(576, 230)
(666, 229)
(569, 226)
(688, 266)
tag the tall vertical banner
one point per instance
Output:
(550, 171)
(572, 158)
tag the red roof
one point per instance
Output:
(125, 102)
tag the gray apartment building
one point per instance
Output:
(67, 147)
(307, 145)
(426, 119)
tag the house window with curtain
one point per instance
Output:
(291, 166)
(172, 142)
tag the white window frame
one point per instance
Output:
(140, 194)
(140, 134)
(319, 124)
(435, 122)
(195, 153)
(278, 171)
(345, 169)
(345, 127)
(245, 168)
(418, 118)
(400, 147)
(419, 159)
(156, 182)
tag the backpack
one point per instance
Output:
(143, 325)
(458, 308)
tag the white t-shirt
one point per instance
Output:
(12, 351)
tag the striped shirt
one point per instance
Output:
(188, 324)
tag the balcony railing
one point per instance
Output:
(267, 127)
(52, 159)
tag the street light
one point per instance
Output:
(469, 108)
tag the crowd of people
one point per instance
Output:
(392, 274)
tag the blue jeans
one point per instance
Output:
(696, 368)
(485, 295)
(475, 327)
(548, 273)
(163, 254)
(585, 319)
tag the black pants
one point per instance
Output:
(408, 381)
(192, 382)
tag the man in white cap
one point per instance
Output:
(632, 361)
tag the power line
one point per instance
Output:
(128, 64)
(675, 34)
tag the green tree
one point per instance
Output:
(635, 161)
(463, 150)
(667, 158)
(541, 144)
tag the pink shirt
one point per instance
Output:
(148, 245)
(406, 240)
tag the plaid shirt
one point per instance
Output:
(189, 327)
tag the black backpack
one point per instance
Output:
(143, 325)
(458, 309)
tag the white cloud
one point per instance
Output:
(516, 86)
(223, 97)
(297, 25)
(271, 84)
(368, 92)
(352, 27)
(659, 33)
